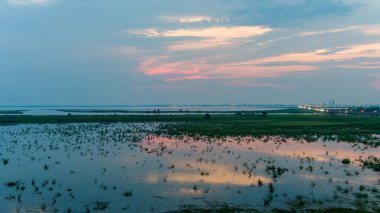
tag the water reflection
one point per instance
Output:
(125, 167)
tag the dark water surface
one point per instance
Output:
(126, 110)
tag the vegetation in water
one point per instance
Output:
(308, 127)
(346, 161)
(372, 163)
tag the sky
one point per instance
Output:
(115, 52)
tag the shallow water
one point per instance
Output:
(128, 168)
(141, 110)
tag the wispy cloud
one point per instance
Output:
(188, 78)
(369, 30)
(359, 66)
(209, 69)
(371, 50)
(188, 67)
(366, 29)
(190, 19)
(336, 30)
(269, 67)
(211, 32)
(28, 2)
(204, 44)
(372, 30)
(209, 37)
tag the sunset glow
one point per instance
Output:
(216, 45)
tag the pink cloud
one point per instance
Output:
(209, 69)
(202, 44)
(153, 66)
(210, 37)
(193, 77)
(211, 32)
(212, 68)
(346, 53)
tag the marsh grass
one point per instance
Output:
(372, 163)
(5, 161)
(127, 193)
(12, 184)
(306, 127)
(346, 161)
(101, 205)
(309, 127)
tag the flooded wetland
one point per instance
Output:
(190, 106)
(129, 167)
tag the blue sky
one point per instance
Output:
(92, 52)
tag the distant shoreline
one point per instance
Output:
(159, 111)
(7, 112)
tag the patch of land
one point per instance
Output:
(14, 112)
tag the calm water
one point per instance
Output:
(55, 110)
(124, 167)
